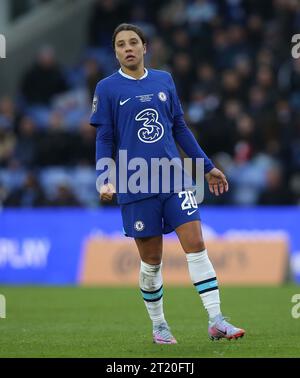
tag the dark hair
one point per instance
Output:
(124, 26)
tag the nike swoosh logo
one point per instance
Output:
(191, 212)
(124, 102)
(223, 332)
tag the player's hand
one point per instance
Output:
(106, 192)
(216, 181)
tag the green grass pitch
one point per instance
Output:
(112, 322)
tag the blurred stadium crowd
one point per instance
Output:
(239, 85)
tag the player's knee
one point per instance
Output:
(152, 260)
(195, 245)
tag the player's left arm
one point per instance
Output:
(216, 179)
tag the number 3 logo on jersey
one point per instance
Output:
(152, 130)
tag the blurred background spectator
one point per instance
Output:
(237, 80)
(43, 80)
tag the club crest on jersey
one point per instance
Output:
(152, 129)
(95, 104)
(162, 96)
(139, 225)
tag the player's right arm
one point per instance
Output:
(101, 118)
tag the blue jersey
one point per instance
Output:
(142, 117)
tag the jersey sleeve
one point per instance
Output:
(183, 135)
(176, 104)
(186, 140)
(101, 118)
(101, 107)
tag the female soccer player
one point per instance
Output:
(137, 110)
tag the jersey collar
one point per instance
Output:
(133, 78)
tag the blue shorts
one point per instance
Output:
(159, 215)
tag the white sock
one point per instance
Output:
(151, 286)
(204, 278)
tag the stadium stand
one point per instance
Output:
(239, 86)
